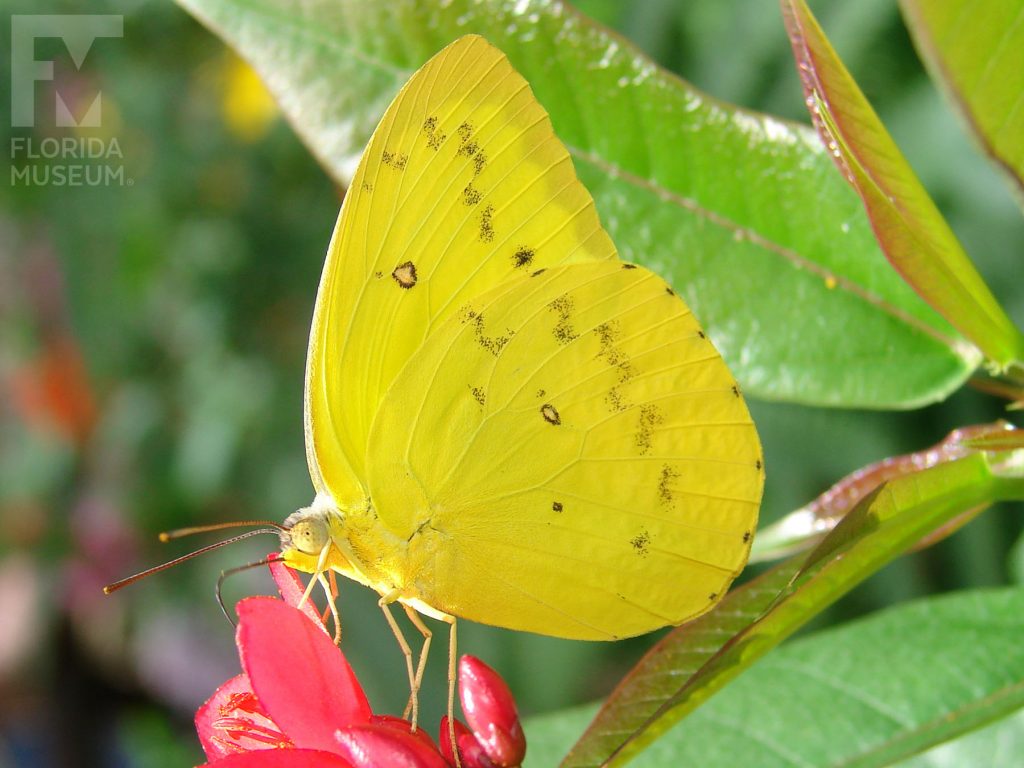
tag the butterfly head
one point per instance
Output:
(305, 532)
(308, 537)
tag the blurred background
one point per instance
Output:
(152, 342)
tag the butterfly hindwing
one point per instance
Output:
(462, 187)
(568, 454)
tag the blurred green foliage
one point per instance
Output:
(187, 293)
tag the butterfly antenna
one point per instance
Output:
(179, 533)
(231, 572)
(276, 529)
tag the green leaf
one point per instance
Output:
(870, 693)
(977, 55)
(998, 745)
(912, 232)
(680, 655)
(805, 527)
(875, 689)
(879, 529)
(743, 213)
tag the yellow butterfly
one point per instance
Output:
(504, 422)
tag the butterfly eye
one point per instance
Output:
(308, 536)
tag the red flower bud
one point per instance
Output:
(376, 745)
(471, 751)
(403, 725)
(491, 712)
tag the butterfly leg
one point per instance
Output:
(413, 705)
(332, 605)
(424, 630)
(452, 655)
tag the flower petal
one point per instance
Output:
(233, 721)
(292, 589)
(376, 745)
(281, 758)
(299, 675)
(400, 724)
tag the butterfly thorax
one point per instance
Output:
(323, 537)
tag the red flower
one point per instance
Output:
(298, 703)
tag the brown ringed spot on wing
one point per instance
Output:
(641, 543)
(550, 414)
(396, 160)
(405, 275)
(486, 232)
(523, 256)
(629, 266)
(493, 344)
(563, 307)
(666, 494)
(650, 417)
(471, 195)
(478, 394)
(367, 187)
(556, 506)
(435, 137)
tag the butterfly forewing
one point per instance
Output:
(568, 454)
(462, 188)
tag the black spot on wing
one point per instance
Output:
(650, 417)
(469, 147)
(539, 272)
(666, 494)
(493, 344)
(478, 394)
(629, 266)
(367, 187)
(550, 414)
(541, 393)
(608, 334)
(395, 160)
(556, 506)
(758, 464)
(523, 256)
(615, 400)
(435, 136)
(713, 597)
(486, 232)
(563, 307)
(641, 543)
(746, 536)
(669, 291)
(405, 275)
(736, 390)
(471, 195)
(701, 334)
